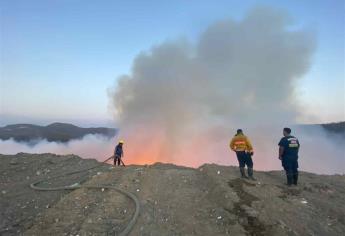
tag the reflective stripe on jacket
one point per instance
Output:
(240, 142)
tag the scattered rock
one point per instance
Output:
(303, 201)
(215, 202)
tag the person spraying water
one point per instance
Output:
(118, 154)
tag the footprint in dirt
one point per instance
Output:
(242, 209)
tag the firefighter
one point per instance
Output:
(118, 153)
(288, 154)
(244, 151)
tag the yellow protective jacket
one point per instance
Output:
(240, 142)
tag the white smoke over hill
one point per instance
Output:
(320, 153)
(90, 146)
(182, 102)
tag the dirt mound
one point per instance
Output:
(174, 200)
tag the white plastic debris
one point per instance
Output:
(138, 190)
(98, 173)
(218, 172)
(102, 189)
(219, 217)
(304, 202)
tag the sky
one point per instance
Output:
(58, 58)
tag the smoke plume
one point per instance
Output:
(90, 146)
(183, 101)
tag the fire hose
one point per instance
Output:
(129, 195)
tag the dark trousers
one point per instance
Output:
(290, 165)
(244, 159)
(117, 159)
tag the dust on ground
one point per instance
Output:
(174, 200)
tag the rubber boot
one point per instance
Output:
(250, 174)
(243, 173)
(289, 178)
(295, 178)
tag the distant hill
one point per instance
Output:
(338, 128)
(63, 132)
(56, 132)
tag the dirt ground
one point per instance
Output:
(174, 200)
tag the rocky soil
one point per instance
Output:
(174, 200)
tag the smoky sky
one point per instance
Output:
(235, 68)
(182, 101)
(236, 74)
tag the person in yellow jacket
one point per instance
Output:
(244, 151)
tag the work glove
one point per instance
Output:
(250, 153)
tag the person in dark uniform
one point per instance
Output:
(118, 153)
(288, 154)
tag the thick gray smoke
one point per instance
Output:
(182, 102)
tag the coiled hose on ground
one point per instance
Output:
(129, 195)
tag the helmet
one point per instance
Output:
(239, 131)
(121, 141)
